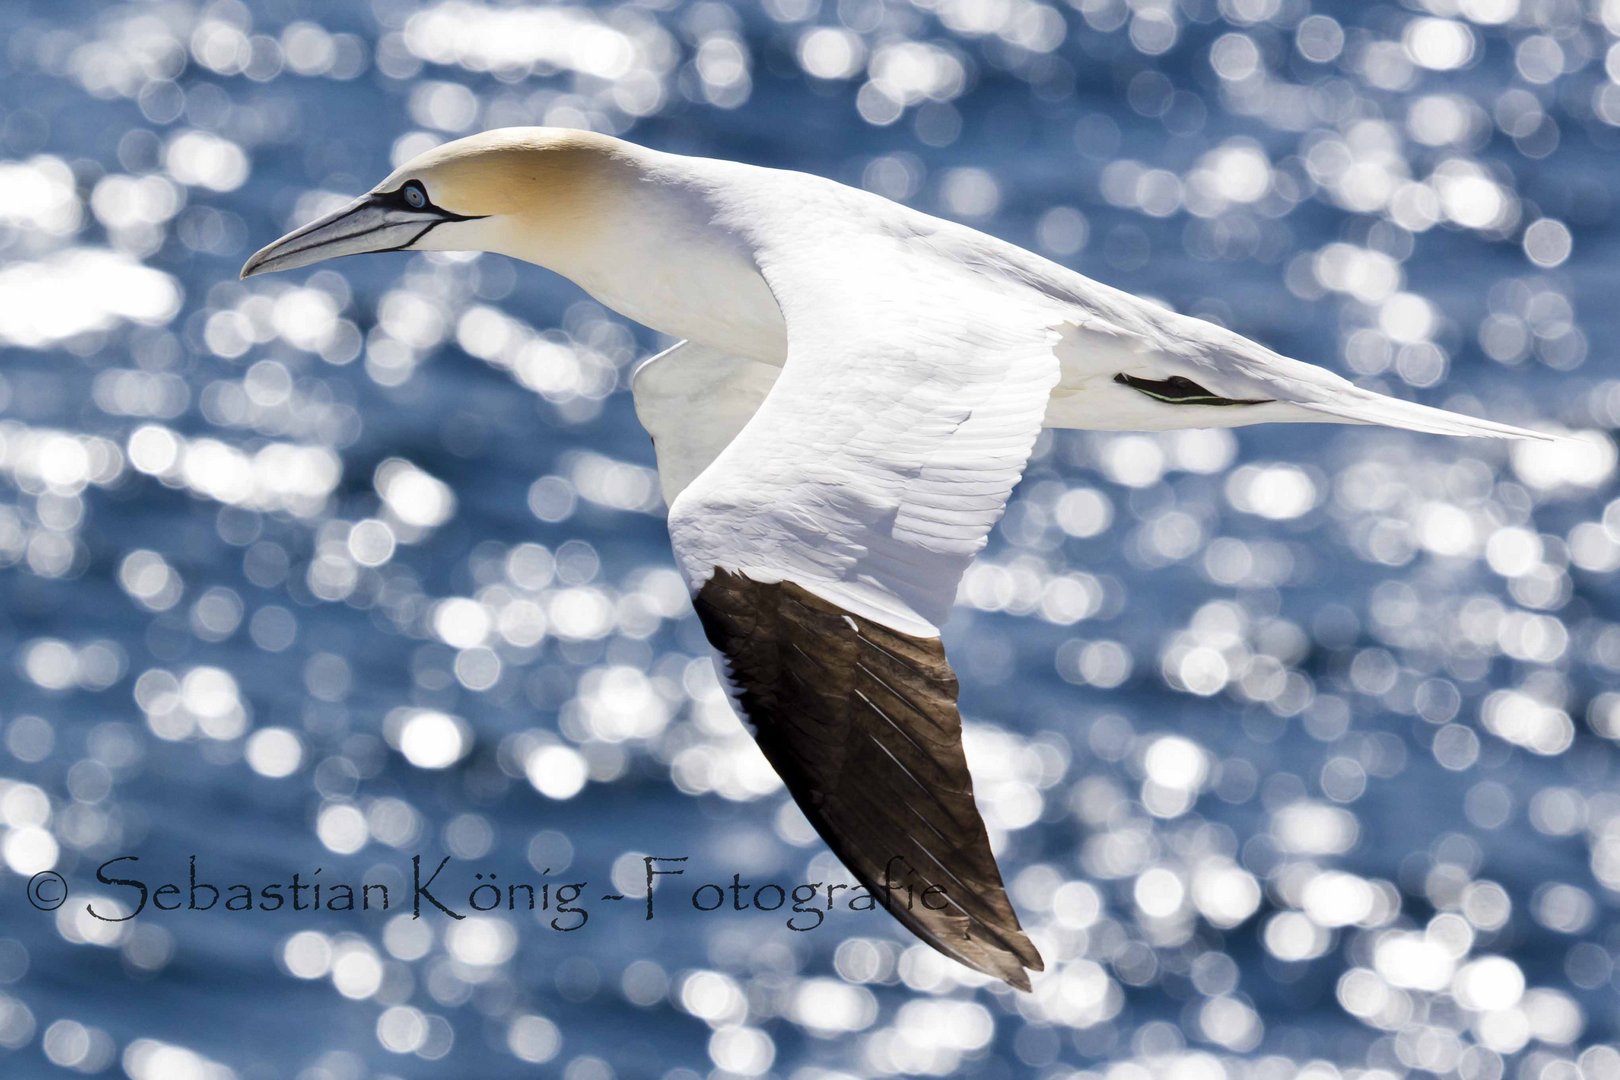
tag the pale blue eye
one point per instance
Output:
(415, 197)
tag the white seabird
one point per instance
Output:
(857, 391)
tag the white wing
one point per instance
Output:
(886, 451)
(824, 545)
(693, 400)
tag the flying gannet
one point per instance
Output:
(857, 390)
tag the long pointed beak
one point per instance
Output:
(370, 223)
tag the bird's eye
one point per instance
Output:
(415, 195)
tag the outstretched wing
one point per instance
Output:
(860, 721)
(824, 546)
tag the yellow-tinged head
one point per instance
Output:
(543, 187)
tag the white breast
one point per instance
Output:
(664, 260)
(698, 288)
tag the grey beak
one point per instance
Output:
(375, 222)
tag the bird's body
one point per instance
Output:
(857, 391)
(679, 244)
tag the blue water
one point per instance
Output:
(1382, 834)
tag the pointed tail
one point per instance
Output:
(1357, 406)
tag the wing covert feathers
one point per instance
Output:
(861, 723)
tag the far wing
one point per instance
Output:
(693, 400)
(824, 546)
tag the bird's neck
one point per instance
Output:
(638, 232)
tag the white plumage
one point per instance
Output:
(857, 394)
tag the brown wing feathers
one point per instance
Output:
(861, 723)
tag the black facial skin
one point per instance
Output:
(413, 196)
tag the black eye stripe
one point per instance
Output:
(400, 198)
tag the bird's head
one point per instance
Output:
(517, 191)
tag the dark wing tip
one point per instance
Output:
(1010, 960)
(861, 723)
(1180, 390)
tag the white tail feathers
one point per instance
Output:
(1357, 406)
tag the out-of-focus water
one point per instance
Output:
(1296, 743)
